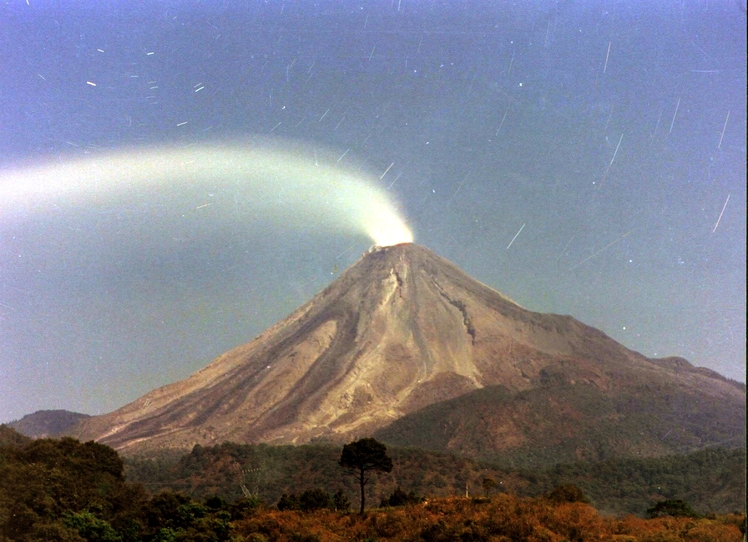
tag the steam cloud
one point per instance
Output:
(289, 189)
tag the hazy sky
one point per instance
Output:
(576, 156)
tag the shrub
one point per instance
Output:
(244, 507)
(671, 507)
(314, 499)
(90, 527)
(340, 501)
(400, 498)
(215, 502)
(288, 502)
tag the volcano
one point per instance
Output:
(397, 338)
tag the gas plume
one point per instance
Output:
(298, 188)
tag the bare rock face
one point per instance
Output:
(400, 330)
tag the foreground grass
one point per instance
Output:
(502, 518)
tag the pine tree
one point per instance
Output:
(363, 456)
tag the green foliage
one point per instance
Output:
(314, 499)
(400, 498)
(45, 481)
(164, 510)
(67, 491)
(363, 456)
(635, 420)
(567, 493)
(244, 507)
(671, 507)
(53, 532)
(215, 502)
(289, 502)
(340, 501)
(309, 501)
(488, 485)
(90, 527)
(711, 479)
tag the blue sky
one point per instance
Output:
(609, 135)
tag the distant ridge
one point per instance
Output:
(402, 331)
(564, 423)
(47, 423)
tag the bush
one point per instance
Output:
(90, 527)
(244, 507)
(215, 502)
(314, 499)
(340, 501)
(671, 507)
(288, 502)
(164, 510)
(400, 498)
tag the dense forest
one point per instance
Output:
(65, 490)
(711, 480)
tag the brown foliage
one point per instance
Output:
(503, 518)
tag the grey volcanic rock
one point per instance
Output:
(400, 330)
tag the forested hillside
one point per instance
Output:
(711, 480)
(565, 422)
(68, 491)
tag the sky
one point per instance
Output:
(582, 157)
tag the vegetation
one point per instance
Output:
(57, 489)
(312, 499)
(565, 422)
(567, 493)
(362, 457)
(401, 498)
(671, 507)
(503, 518)
(68, 491)
(711, 480)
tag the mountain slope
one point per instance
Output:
(398, 331)
(564, 422)
(47, 423)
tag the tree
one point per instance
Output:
(567, 493)
(90, 527)
(340, 501)
(488, 484)
(363, 456)
(314, 499)
(400, 498)
(288, 502)
(671, 507)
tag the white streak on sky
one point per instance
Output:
(515, 237)
(721, 213)
(287, 189)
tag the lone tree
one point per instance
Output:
(488, 484)
(362, 456)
